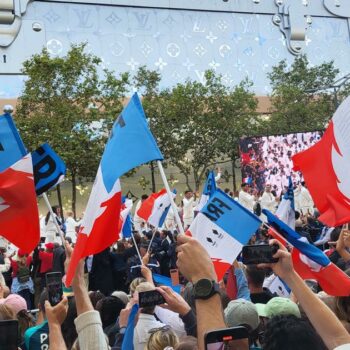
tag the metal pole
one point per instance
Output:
(170, 194)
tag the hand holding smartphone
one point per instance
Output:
(54, 287)
(150, 298)
(259, 254)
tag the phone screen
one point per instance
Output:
(258, 254)
(235, 338)
(54, 287)
(9, 335)
(150, 298)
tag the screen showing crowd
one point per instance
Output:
(268, 159)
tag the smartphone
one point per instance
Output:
(150, 298)
(235, 338)
(175, 278)
(54, 287)
(259, 254)
(9, 335)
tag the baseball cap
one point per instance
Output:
(15, 302)
(241, 311)
(49, 245)
(278, 306)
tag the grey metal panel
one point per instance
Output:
(315, 7)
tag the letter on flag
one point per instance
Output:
(11, 145)
(131, 144)
(49, 169)
(223, 226)
(208, 190)
(310, 262)
(155, 207)
(19, 217)
(326, 168)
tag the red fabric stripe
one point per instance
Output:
(146, 208)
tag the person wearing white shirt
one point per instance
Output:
(71, 225)
(51, 232)
(188, 203)
(268, 200)
(246, 199)
(306, 202)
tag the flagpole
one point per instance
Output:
(150, 243)
(137, 248)
(172, 203)
(54, 219)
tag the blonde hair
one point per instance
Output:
(7, 313)
(161, 339)
(135, 283)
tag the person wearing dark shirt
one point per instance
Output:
(255, 278)
(59, 257)
(119, 268)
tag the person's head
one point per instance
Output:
(109, 309)
(278, 306)
(7, 313)
(120, 247)
(342, 305)
(188, 194)
(25, 321)
(95, 297)
(16, 302)
(43, 297)
(146, 287)
(288, 332)
(68, 327)
(187, 343)
(245, 187)
(268, 188)
(49, 247)
(134, 283)
(255, 277)
(241, 312)
(70, 214)
(121, 295)
(144, 197)
(163, 234)
(160, 338)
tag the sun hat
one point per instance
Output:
(278, 306)
(240, 312)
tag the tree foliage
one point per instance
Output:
(66, 103)
(300, 101)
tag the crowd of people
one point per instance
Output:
(99, 310)
(268, 159)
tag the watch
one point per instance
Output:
(205, 289)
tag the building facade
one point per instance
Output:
(237, 38)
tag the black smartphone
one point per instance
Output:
(9, 335)
(259, 254)
(150, 298)
(235, 338)
(54, 287)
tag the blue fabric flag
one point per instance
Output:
(128, 340)
(296, 240)
(166, 211)
(208, 190)
(127, 227)
(285, 210)
(166, 281)
(11, 146)
(49, 169)
(130, 145)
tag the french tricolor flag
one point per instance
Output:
(155, 208)
(223, 226)
(124, 214)
(310, 262)
(208, 190)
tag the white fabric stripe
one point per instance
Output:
(160, 204)
(219, 245)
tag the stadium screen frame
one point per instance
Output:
(267, 159)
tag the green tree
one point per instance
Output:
(299, 100)
(68, 105)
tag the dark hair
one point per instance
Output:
(297, 215)
(95, 297)
(120, 247)
(187, 343)
(288, 332)
(144, 196)
(335, 234)
(109, 308)
(54, 209)
(255, 276)
(43, 297)
(25, 321)
(69, 331)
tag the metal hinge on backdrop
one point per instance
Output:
(11, 12)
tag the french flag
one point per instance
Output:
(248, 180)
(208, 190)
(285, 210)
(310, 262)
(223, 226)
(124, 216)
(326, 167)
(131, 144)
(155, 208)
